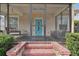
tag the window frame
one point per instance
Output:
(17, 20)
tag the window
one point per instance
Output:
(63, 20)
(58, 21)
(2, 22)
(13, 23)
(3, 15)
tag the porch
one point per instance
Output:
(36, 22)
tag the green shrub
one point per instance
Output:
(2, 52)
(76, 26)
(72, 43)
(6, 42)
(76, 22)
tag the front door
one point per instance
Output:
(38, 27)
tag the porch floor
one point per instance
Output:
(39, 38)
(33, 38)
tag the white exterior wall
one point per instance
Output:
(50, 25)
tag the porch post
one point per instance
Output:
(0, 14)
(70, 18)
(56, 23)
(61, 17)
(30, 17)
(45, 20)
(7, 18)
(0, 8)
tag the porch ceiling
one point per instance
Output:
(21, 9)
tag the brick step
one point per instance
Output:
(39, 46)
(39, 52)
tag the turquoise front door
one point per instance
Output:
(38, 27)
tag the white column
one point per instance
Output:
(72, 20)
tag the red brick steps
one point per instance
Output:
(39, 52)
(39, 49)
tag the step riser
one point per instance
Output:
(38, 42)
(39, 54)
(39, 46)
(32, 47)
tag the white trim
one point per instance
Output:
(17, 19)
(58, 12)
(38, 18)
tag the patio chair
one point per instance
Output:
(60, 34)
(56, 34)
